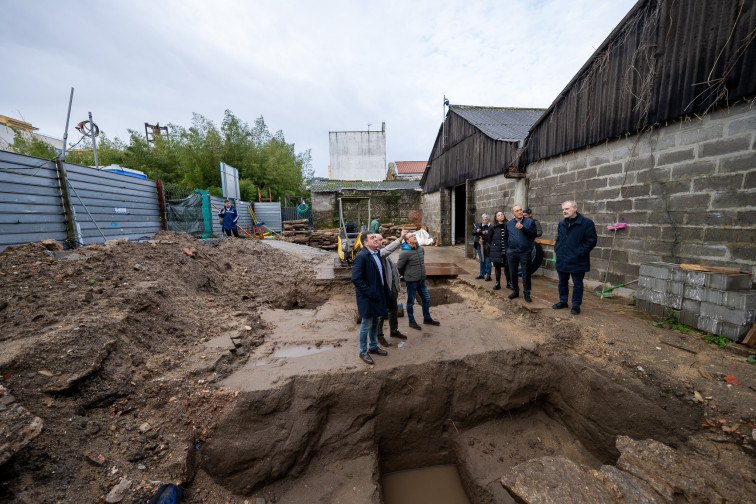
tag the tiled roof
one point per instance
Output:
(326, 185)
(500, 123)
(406, 167)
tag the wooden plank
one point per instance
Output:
(543, 241)
(750, 338)
(713, 269)
(443, 269)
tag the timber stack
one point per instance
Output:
(391, 232)
(326, 239)
(296, 231)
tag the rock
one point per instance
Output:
(95, 460)
(144, 427)
(17, 428)
(113, 243)
(556, 480)
(63, 383)
(181, 463)
(119, 491)
(139, 267)
(51, 244)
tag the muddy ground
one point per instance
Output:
(231, 366)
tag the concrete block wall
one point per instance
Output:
(432, 210)
(493, 194)
(687, 191)
(719, 303)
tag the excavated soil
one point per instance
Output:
(231, 366)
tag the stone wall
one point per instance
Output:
(687, 191)
(432, 210)
(393, 206)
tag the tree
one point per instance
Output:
(25, 142)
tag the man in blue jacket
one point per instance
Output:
(230, 218)
(576, 237)
(373, 295)
(518, 242)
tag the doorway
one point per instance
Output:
(459, 205)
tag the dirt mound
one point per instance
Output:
(114, 347)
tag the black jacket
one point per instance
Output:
(478, 233)
(575, 240)
(497, 243)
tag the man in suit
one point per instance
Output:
(373, 295)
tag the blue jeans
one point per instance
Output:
(485, 266)
(577, 287)
(420, 287)
(369, 327)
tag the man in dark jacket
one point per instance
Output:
(230, 218)
(373, 295)
(411, 265)
(518, 242)
(576, 237)
(482, 243)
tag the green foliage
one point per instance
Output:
(751, 359)
(26, 143)
(191, 156)
(716, 339)
(672, 320)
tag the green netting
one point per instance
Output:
(207, 214)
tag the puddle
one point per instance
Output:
(300, 351)
(429, 485)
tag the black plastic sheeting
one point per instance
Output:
(185, 215)
(665, 60)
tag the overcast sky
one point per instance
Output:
(307, 67)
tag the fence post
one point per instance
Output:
(68, 209)
(161, 202)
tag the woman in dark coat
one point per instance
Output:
(498, 256)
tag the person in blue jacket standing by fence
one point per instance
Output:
(230, 218)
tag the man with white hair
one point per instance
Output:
(576, 237)
(482, 233)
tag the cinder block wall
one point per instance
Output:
(432, 210)
(493, 194)
(687, 191)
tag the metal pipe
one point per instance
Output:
(65, 133)
(94, 141)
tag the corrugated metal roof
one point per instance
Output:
(499, 123)
(405, 167)
(664, 60)
(326, 185)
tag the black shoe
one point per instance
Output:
(527, 298)
(479, 277)
(414, 325)
(575, 310)
(397, 334)
(488, 278)
(378, 351)
(367, 358)
(497, 286)
(383, 341)
(430, 321)
(559, 305)
(514, 295)
(509, 286)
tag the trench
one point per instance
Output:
(479, 414)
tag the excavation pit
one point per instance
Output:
(482, 392)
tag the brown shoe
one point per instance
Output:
(378, 351)
(367, 358)
(430, 321)
(383, 341)
(397, 334)
(414, 325)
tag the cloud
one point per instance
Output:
(307, 67)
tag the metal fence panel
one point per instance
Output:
(31, 205)
(270, 214)
(289, 213)
(245, 219)
(111, 205)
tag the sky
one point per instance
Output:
(306, 67)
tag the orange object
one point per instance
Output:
(731, 380)
(187, 251)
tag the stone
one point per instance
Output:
(17, 428)
(51, 244)
(94, 460)
(144, 427)
(119, 491)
